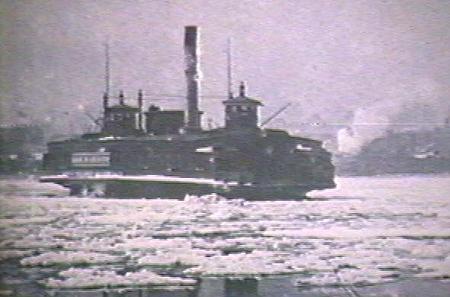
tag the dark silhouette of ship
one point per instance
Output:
(404, 152)
(166, 153)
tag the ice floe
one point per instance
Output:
(70, 258)
(177, 257)
(96, 278)
(243, 264)
(353, 235)
(11, 254)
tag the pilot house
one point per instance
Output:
(241, 112)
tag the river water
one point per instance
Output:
(377, 236)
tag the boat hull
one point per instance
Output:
(144, 188)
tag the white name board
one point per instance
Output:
(91, 159)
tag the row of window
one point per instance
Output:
(120, 116)
(235, 108)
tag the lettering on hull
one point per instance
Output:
(91, 159)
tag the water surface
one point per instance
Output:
(377, 236)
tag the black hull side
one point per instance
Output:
(152, 190)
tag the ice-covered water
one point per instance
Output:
(367, 233)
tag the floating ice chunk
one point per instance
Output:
(6, 223)
(255, 263)
(11, 254)
(226, 214)
(92, 244)
(69, 258)
(29, 187)
(159, 259)
(345, 277)
(153, 243)
(433, 268)
(204, 199)
(173, 257)
(379, 235)
(231, 244)
(349, 233)
(430, 251)
(95, 278)
(179, 232)
(35, 242)
(318, 279)
(215, 230)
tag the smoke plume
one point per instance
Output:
(418, 106)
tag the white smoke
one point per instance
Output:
(416, 106)
(347, 142)
(368, 123)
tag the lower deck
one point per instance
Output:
(159, 186)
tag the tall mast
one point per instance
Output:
(229, 70)
(107, 68)
(107, 78)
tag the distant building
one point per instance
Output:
(21, 148)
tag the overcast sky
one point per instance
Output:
(330, 58)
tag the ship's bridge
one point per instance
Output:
(241, 112)
(121, 119)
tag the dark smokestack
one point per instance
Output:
(192, 77)
(140, 105)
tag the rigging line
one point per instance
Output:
(95, 120)
(184, 96)
(275, 114)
